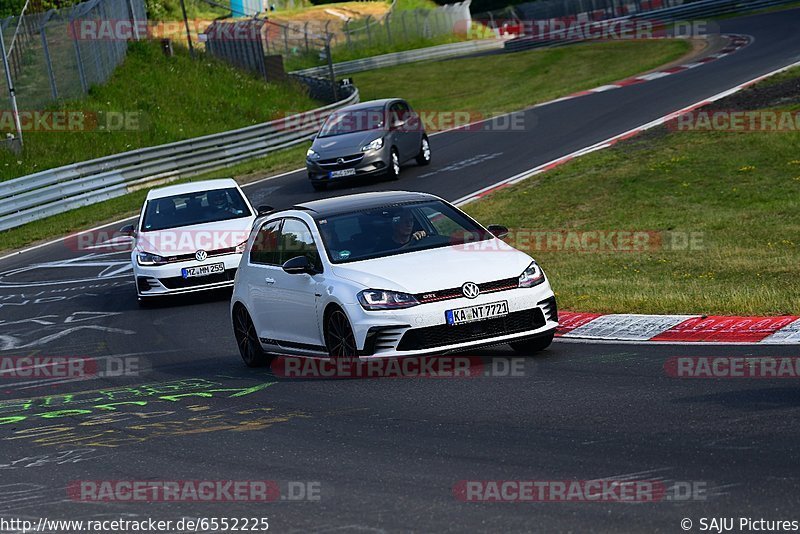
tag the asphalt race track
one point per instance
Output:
(374, 455)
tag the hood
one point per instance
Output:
(189, 239)
(344, 144)
(435, 269)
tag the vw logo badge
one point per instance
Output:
(340, 161)
(470, 290)
(201, 255)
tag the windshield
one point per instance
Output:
(397, 229)
(194, 208)
(355, 120)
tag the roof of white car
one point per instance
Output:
(326, 207)
(190, 187)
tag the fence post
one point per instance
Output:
(347, 34)
(285, 40)
(46, 50)
(305, 34)
(416, 20)
(11, 91)
(388, 23)
(403, 21)
(369, 33)
(132, 14)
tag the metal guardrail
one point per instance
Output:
(54, 191)
(408, 56)
(700, 8)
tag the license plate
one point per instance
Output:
(477, 313)
(342, 172)
(203, 270)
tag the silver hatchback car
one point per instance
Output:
(366, 139)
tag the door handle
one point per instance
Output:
(269, 280)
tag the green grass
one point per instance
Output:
(521, 79)
(739, 192)
(175, 98)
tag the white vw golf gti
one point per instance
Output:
(189, 237)
(383, 275)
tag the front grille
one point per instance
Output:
(211, 254)
(550, 308)
(347, 161)
(455, 292)
(445, 334)
(179, 282)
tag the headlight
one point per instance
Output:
(378, 299)
(532, 276)
(240, 247)
(373, 145)
(145, 258)
(310, 154)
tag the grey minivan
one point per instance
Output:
(369, 138)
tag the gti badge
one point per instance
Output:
(470, 290)
(201, 255)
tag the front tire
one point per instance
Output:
(247, 339)
(424, 156)
(394, 165)
(529, 347)
(339, 339)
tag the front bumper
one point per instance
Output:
(374, 162)
(423, 329)
(162, 280)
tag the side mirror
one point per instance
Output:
(299, 265)
(498, 230)
(397, 124)
(128, 230)
(264, 209)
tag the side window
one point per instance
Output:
(296, 240)
(403, 110)
(265, 249)
(395, 113)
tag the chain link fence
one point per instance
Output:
(61, 54)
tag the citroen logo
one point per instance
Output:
(340, 161)
(470, 290)
(201, 255)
